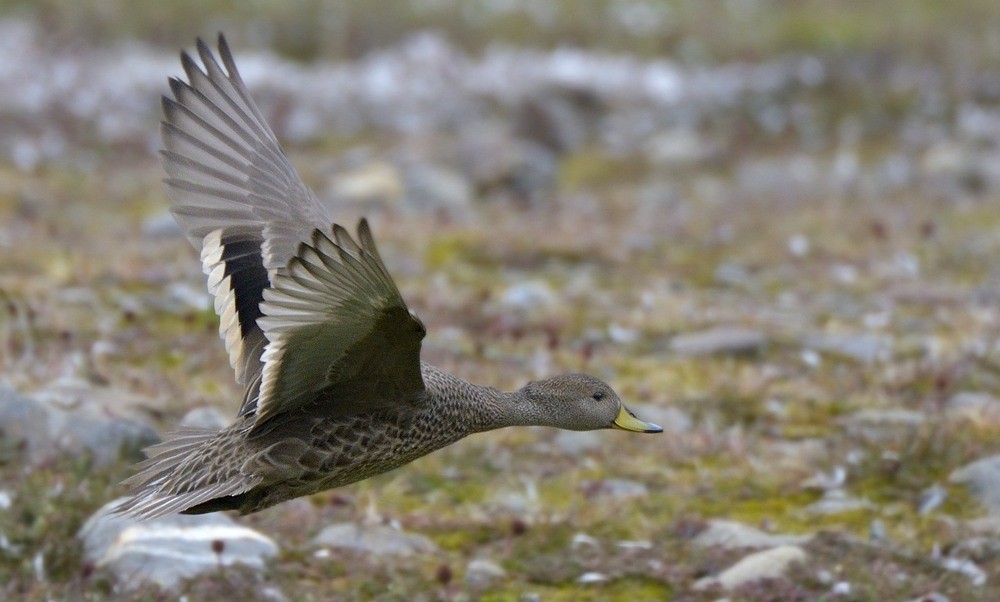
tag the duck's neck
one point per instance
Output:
(473, 408)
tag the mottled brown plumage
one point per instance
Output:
(315, 328)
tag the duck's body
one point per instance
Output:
(315, 329)
(304, 452)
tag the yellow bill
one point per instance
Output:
(627, 421)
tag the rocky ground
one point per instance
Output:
(773, 231)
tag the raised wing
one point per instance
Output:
(235, 194)
(339, 331)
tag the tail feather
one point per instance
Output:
(174, 478)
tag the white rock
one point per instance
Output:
(680, 146)
(824, 481)
(378, 540)
(719, 340)
(966, 567)
(673, 420)
(481, 572)
(836, 501)
(760, 565)
(931, 498)
(619, 489)
(205, 417)
(436, 187)
(582, 539)
(168, 550)
(931, 597)
(161, 224)
(882, 424)
(374, 183)
(730, 534)
(528, 295)
(622, 335)
(974, 406)
(634, 544)
(982, 478)
(798, 245)
(576, 443)
(861, 347)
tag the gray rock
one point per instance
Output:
(824, 481)
(575, 443)
(528, 296)
(836, 501)
(975, 547)
(107, 438)
(721, 340)
(730, 535)
(787, 177)
(183, 297)
(486, 153)
(931, 597)
(966, 567)
(374, 183)
(23, 420)
(973, 405)
(863, 348)
(878, 425)
(622, 335)
(534, 172)
(732, 273)
(877, 533)
(437, 187)
(522, 501)
(931, 498)
(970, 400)
(73, 417)
(558, 118)
(481, 572)
(592, 577)
(619, 489)
(88, 418)
(495, 162)
(767, 564)
(679, 147)
(168, 550)
(205, 417)
(986, 525)
(673, 420)
(892, 417)
(161, 224)
(373, 539)
(982, 478)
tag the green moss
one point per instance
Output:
(589, 168)
(48, 506)
(448, 250)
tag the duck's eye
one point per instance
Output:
(598, 396)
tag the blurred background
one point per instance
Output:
(770, 224)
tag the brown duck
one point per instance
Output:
(315, 329)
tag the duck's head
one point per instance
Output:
(580, 402)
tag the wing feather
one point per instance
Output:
(300, 302)
(235, 194)
(334, 319)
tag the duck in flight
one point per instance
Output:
(315, 328)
